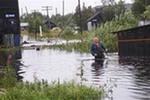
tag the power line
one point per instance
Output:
(47, 9)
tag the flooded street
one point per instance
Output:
(123, 79)
(49, 42)
(119, 78)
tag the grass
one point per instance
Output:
(82, 47)
(43, 91)
(8, 78)
(10, 89)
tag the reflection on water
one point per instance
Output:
(123, 79)
(141, 72)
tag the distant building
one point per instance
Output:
(24, 26)
(9, 23)
(98, 18)
(95, 21)
(134, 42)
(49, 25)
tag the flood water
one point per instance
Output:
(123, 79)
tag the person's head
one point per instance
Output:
(95, 40)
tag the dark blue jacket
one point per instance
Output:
(97, 50)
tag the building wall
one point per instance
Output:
(9, 22)
(134, 42)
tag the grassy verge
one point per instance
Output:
(43, 91)
(10, 89)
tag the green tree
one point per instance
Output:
(108, 13)
(57, 19)
(139, 6)
(120, 8)
(62, 21)
(35, 20)
(111, 9)
(86, 12)
(146, 14)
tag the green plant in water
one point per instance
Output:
(13, 90)
(55, 91)
(82, 47)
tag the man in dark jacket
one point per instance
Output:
(97, 49)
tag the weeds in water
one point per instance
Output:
(81, 47)
(12, 90)
(44, 91)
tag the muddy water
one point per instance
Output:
(122, 79)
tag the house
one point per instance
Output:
(49, 25)
(95, 21)
(98, 18)
(134, 42)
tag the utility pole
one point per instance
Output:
(80, 16)
(36, 26)
(47, 9)
(63, 8)
(21, 11)
(63, 11)
(56, 11)
(26, 10)
(34, 12)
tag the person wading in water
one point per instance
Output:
(97, 50)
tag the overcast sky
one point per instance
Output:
(69, 7)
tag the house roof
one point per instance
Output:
(49, 22)
(133, 29)
(97, 16)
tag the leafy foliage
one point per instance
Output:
(146, 14)
(111, 9)
(86, 13)
(104, 32)
(8, 78)
(43, 91)
(62, 21)
(35, 20)
(139, 7)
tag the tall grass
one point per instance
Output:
(43, 91)
(8, 78)
(13, 90)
